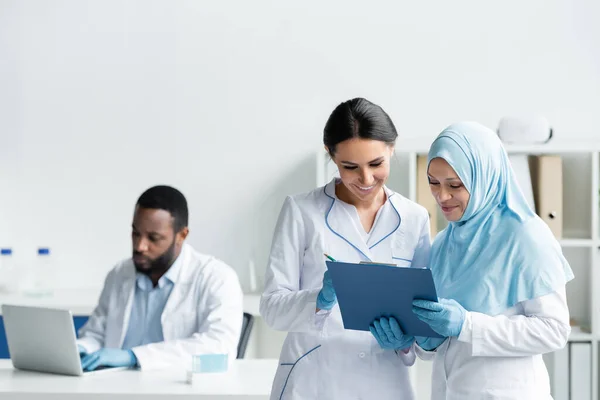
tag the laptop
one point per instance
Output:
(44, 340)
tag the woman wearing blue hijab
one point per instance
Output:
(500, 276)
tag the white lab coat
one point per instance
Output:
(500, 358)
(319, 359)
(203, 314)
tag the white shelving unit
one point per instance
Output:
(580, 240)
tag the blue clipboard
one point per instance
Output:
(367, 291)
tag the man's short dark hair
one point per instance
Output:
(169, 199)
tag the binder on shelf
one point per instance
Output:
(424, 196)
(548, 191)
(580, 370)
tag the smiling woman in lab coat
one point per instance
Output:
(355, 218)
(499, 272)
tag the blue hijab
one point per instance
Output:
(500, 252)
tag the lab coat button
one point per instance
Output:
(361, 354)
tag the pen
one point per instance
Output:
(329, 257)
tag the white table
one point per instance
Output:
(246, 380)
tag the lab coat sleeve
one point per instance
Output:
(425, 355)
(283, 305)
(91, 335)
(421, 256)
(543, 328)
(407, 357)
(218, 332)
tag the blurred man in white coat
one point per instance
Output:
(165, 303)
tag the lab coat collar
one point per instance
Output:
(337, 220)
(330, 188)
(387, 222)
(174, 271)
(183, 280)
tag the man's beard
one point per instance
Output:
(159, 265)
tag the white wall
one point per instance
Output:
(226, 100)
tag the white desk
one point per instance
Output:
(83, 301)
(246, 380)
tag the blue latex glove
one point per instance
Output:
(429, 343)
(109, 358)
(326, 298)
(388, 334)
(445, 317)
(82, 351)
